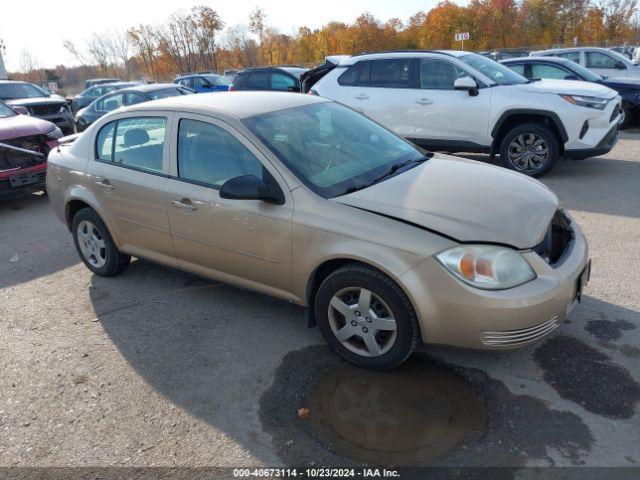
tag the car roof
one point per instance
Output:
(203, 74)
(266, 69)
(148, 87)
(564, 61)
(236, 105)
(14, 81)
(401, 54)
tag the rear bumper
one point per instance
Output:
(604, 147)
(453, 313)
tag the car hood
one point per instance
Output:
(25, 102)
(23, 126)
(465, 200)
(570, 87)
(628, 83)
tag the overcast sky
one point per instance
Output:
(40, 26)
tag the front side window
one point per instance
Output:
(6, 111)
(166, 93)
(136, 143)
(539, 70)
(280, 81)
(209, 155)
(439, 75)
(600, 60)
(392, 73)
(330, 148)
(133, 98)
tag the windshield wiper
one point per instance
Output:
(392, 169)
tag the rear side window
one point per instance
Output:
(351, 75)
(392, 73)
(259, 80)
(518, 68)
(136, 143)
(539, 70)
(110, 103)
(573, 56)
(209, 155)
(280, 81)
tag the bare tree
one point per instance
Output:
(30, 68)
(121, 50)
(257, 25)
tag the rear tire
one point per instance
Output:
(530, 148)
(379, 327)
(95, 245)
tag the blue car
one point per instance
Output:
(204, 82)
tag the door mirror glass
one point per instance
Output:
(250, 187)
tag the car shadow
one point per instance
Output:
(213, 349)
(603, 185)
(33, 242)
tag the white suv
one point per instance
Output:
(462, 102)
(602, 61)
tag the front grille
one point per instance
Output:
(616, 112)
(506, 338)
(49, 109)
(11, 159)
(557, 239)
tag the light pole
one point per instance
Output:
(3, 71)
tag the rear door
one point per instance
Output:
(128, 174)
(381, 89)
(445, 117)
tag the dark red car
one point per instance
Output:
(25, 142)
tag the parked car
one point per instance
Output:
(627, 51)
(270, 78)
(600, 60)
(302, 198)
(462, 102)
(126, 96)
(99, 81)
(39, 103)
(204, 82)
(536, 68)
(92, 93)
(25, 142)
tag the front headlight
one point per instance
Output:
(589, 102)
(54, 134)
(488, 267)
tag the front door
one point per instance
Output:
(604, 65)
(444, 116)
(128, 175)
(241, 241)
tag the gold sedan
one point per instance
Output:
(299, 197)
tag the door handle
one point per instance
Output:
(185, 204)
(425, 101)
(105, 184)
(362, 96)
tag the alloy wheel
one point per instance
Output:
(528, 152)
(362, 322)
(91, 244)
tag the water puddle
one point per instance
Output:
(412, 415)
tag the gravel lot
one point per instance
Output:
(160, 368)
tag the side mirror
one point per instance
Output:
(250, 187)
(620, 66)
(468, 84)
(21, 110)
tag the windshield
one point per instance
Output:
(6, 111)
(12, 91)
(493, 70)
(584, 73)
(331, 148)
(218, 80)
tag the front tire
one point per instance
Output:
(95, 245)
(628, 117)
(530, 148)
(366, 318)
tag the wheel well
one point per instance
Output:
(317, 277)
(521, 118)
(72, 208)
